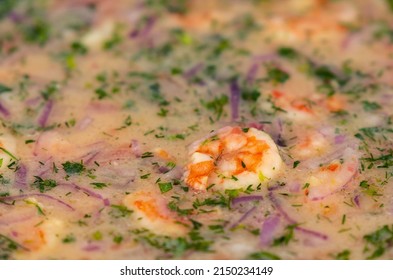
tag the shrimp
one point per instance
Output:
(52, 143)
(39, 240)
(311, 145)
(295, 109)
(233, 158)
(333, 176)
(8, 150)
(311, 20)
(151, 212)
(302, 109)
(44, 237)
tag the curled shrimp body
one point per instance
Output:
(233, 158)
(333, 176)
(150, 212)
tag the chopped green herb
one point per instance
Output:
(380, 240)
(277, 75)
(49, 91)
(344, 255)
(216, 105)
(99, 185)
(288, 53)
(370, 106)
(37, 31)
(4, 89)
(72, 168)
(7, 247)
(118, 239)
(263, 255)
(97, 235)
(165, 187)
(79, 48)
(147, 155)
(70, 238)
(286, 237)
(250, 94)
(145, 176)
(119, 211)
(44, 185)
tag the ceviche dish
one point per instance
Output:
(178, 129)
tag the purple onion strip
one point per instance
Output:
(13, 220)
(136, 148)
(243, 199)
(268, 229)
(20, 177)
(91, 193)
(277, 205)
(243, 217)
(90, 156)
(252, 73)
(265, 57)
(235, 99)
(4, 111)
(145, 30)
(16, 17)
(15, 197)
(190, 73)
(43, 119)
(312, 233)
(91, 247)
(339, 139)
(356, 200)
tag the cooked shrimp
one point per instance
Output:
(233, 158)
(302, 109)
(8, 150)
(311, 145)
(332, 176)
(51, 143)
(311, 20)
(295, 108)
(151, 212)
(40, 240)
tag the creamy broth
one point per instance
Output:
(196, 129)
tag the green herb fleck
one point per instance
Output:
(44, 184)
(165, 187)
(72, 168)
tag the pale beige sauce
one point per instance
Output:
(111, 150)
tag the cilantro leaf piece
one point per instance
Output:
(72, 168)
(4, 88)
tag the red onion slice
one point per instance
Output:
(4, 111)
(268, 229)
(89, 192)
(145, 30)
(20, 177)
(43, 119)
(252, 73)
(190, 73)
(243, 217)
(278, 207)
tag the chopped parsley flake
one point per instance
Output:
(72, 168)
